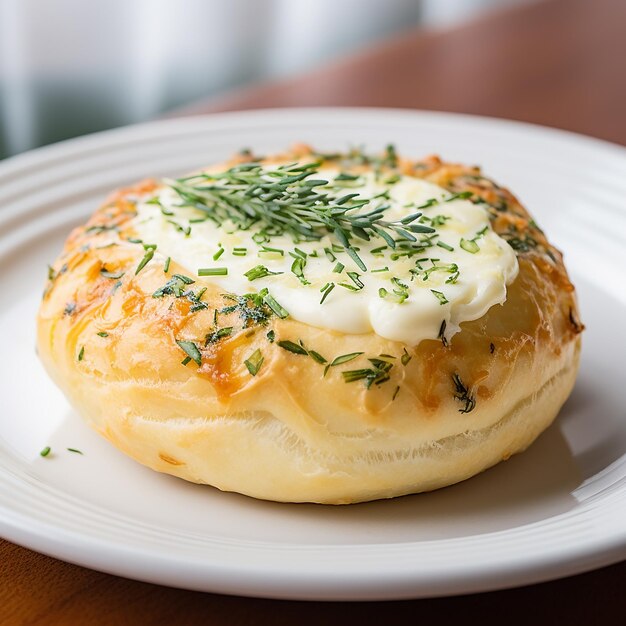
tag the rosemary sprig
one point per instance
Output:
(288, 200)
(375, 375)
(191, 350)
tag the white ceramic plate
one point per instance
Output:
(556, 510)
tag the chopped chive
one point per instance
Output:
(146, 259)
(356, 279)
(213, 271)
(382, 269)
(297, 268)
(103, 334)
(166, 266)
(275, 306)
(191, 350)
(240, 251)
(405, 358)
(326, 289)
(81, 354)
(74, 450)
(440, 296)
(338, 268)
(445, 246)
(254, 362)
(218, 254)
(290, 346)
(186, 360)
(271, 335)
(469, 245)
(276, 250)
(186, 230)
(45, 451)
(395, 393)
(464, 195)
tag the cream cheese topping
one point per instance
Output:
(463, 270)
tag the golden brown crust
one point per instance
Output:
(111, 346)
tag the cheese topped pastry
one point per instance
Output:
(310, 327)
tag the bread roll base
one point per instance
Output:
(291, 433)
(264, 455)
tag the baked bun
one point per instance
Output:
(234, 389)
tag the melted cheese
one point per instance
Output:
(481, 282)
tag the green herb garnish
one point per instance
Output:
(213, 271)
(191, 350)
(376, 375)
(147, 257)
(316, 356)
(297, 268)
(216, 335)
(406, 357)
(326, 289)
(254, 362)
(344, 358)
(440, 296)
(290, 346)
(259, 271)
(287, 200)
(275, 306)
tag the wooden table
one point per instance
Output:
(559, 63)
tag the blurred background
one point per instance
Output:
(70, 67)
